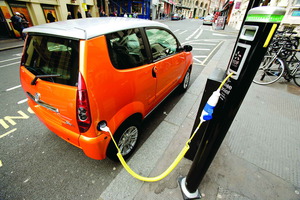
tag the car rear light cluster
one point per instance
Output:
(83, 107)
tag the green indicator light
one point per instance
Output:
(264, 18)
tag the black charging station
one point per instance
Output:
(256, 33)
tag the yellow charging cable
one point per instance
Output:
(175, 162)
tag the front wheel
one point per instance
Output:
(268, 73)
(186, 81)
(126, 137)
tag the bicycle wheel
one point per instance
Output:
(297, 76)
(268, 73)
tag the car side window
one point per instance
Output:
(162, 43)
(126, 49)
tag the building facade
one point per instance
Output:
(291, 20)
(38, 12)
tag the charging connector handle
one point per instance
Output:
(209, 106)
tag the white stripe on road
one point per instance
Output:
(197, 60)
(9, 59)
(200, 56)
(7, 133)
(212, 52)
(22, 101)
(199, 34)
(208, 44)
(10, 64)
(193, 34)
(200, 49)
(217, 34)
(183, 32)
(12, 88)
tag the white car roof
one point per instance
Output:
(90, 27)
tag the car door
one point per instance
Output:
(134, 70)
(169, 63)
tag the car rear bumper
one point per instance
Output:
(94, 147)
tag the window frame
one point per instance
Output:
(73, 63)
(149, 46)
(143, 42)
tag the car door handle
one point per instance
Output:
(154, 71)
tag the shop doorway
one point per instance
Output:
(5, 31)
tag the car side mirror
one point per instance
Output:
(187, 48)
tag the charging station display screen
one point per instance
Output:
(249, 33)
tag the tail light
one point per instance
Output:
(83, 108)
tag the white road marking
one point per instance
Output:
(22, 101)
(10, 59)
(12, 88)
(201, 49)
(193, 34)
(10, 64)
(183, 32)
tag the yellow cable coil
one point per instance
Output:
(175, 162)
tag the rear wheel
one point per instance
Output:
(268, 73)
(126, 137)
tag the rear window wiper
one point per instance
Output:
(33, 82)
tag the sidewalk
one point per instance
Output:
(6, 44)
(259, 158)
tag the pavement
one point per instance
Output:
(6, 44)
(259, 158)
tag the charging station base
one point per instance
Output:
(185, 193)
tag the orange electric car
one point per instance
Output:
(79, 73)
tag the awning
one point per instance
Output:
(183, 7)
(170, 2)
(227, 4)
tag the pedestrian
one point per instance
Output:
(88, 13)
(69, 16)
(115, 13)
(24, 21)
(79, 15)
(134, 15)
(102, 13)
(50, 17)
(17, 24)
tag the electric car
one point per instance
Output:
(80, 73)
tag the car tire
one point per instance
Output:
(126, 137)
(186, 81)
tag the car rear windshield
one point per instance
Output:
(46, 55)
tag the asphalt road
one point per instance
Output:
(37, 164)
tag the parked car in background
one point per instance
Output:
(208, 20)
(78, 74)
(176, 17)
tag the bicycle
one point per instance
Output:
(292, 67)
(273, 68)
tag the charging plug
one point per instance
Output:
(102, 126)
(209, 106)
